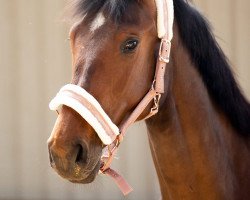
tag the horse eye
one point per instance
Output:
(129, 46)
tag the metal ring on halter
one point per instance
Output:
(168, 47)
(156, 103)
(157, 98)
(117, 144)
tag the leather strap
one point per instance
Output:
(138, 110)
(120, 181)
(163, 59)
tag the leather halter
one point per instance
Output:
(89, 108)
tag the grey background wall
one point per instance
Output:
(35, 62)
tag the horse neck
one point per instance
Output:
(193, 145)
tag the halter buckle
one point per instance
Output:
(164, 51)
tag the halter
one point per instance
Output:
(89, 108)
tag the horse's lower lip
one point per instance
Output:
(90, 178)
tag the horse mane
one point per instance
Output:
(212, 65)
(205, 53)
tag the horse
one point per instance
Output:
(199, 138)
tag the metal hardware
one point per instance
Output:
(155, 108)
(116, 145)
(164, 46)
(157, 98)
(153, 85)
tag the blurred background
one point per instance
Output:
(35, 62)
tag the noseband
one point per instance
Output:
(89, 108)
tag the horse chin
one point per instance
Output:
(89, 178)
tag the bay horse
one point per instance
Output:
(199, 138)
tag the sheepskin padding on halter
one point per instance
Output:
(165, 26)
(90, 110)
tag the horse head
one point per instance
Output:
(114, 49)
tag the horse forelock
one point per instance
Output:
(114, 9)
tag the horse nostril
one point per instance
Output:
(81, 157)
